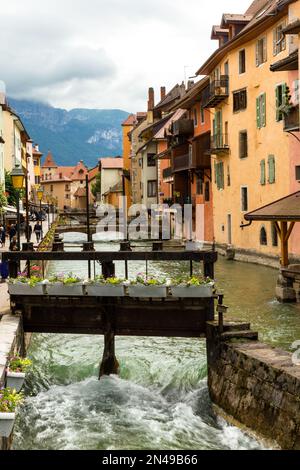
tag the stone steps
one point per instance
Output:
(236, 326)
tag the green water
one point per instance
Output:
(160, 400)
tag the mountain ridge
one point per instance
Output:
(72, 135)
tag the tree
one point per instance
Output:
(3, 199)
(96, 187)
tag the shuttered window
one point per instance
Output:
(271, 165)
(207, 193)
(279, 41)
(243, 144)
(244, 197)
(263, 172)
(261, 51)
(261, 111)
(219, 168)
(239, 100)
(280, 97)
(297, 168)
(242, 61)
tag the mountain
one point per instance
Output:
(79, 134)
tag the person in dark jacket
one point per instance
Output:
(2, 236)
(13, 244)
(38, 231)
(12, 232)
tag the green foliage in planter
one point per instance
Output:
(67, 280)
(32, 281)
(111, 281)
(19, 364)
(9, 400)
(194, 281)
(144, 280)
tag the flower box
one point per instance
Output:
(58, 289)
(7, 421)
(98, 290)
(15, 380)
(205, 290)
(21, 288)
(142, 291)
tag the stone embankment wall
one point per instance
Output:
(257, 385)
(11, 342)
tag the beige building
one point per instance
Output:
(64, 183)
(111, 169)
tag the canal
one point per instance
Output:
(160, 400)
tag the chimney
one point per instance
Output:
(2, 92)
(162, 93)
(190, 84)
(151, 99)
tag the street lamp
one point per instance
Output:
(17, 178)
(40, 194)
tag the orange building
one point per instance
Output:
(127, 127)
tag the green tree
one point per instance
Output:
(3, 199)
(96, 187)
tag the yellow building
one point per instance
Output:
(250, 151)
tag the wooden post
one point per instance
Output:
(209, 270)
(108, 269)
(109, 364)
(284, 244)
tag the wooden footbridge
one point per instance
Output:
(114, 316)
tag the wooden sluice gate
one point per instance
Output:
(119, 315)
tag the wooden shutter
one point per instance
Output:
(221, 173)
(264, 49)
(277, 103)
(263, 111)
(271, 164)
(257, 54)
(275, 41)
(258, 113)
(263, 172)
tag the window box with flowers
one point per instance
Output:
(64, 286)
(100, 287)
(192, 287)
(9, 400)
(147, 287)
(23, 285)
(16, 372)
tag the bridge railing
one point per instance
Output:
(107, 259)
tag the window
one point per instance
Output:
(295, 97)
(242, 61)
(67, 187)
(35, 162)
(263, 172)
(243, 144)
(271, 165)
(279, 41)
(263, 237)
(239, 100)
(228, 176)
(219, 175)
(274, 234)
(199, 185)
(297, 168)
(67, 196)
(261, 51)
(207, 192)
(51, 188)
(261, 111)
(195, 117)
(140, 162)
(151, 159)
(202, 115)
(152, 188)
(244, 197)
(280, 96)
(226, 68)
(37, 180)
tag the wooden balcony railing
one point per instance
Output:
(183, 127)
(218, 92)
(291, 120)
(219, 144)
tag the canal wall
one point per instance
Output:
(255, 384)
(12, 341)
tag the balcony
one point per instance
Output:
(218, 91)
(201, 152)
(183, 127)
(167, 174)
(291, 120)
(219, 144)
(182, 163)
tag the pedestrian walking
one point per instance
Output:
(12, 232)
(38, 231)
(2, 236)
(13, 244)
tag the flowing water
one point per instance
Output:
(160, 399)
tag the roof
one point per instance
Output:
(130, 121)
(285, 209)
(117, 188)
(228, 18)
(93, 173)
(292, 28)
(36, 153)
(81, 192)
(79, 171)
(112, 163)
(175, 93)
(175, 117)
(49, 161)
(187, 100)
(266, 13)
(156, 125)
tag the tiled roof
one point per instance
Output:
(130, 121)
(79, 171)
(49, 161)
(112, 163)
(232, 18)
(81, 192)
(161, 133)
(93, 173)
(175, 93)
(117, 188)
(287, 208)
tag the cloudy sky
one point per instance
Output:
(104, 53)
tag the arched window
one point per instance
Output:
(274, 235)
(263, 236)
